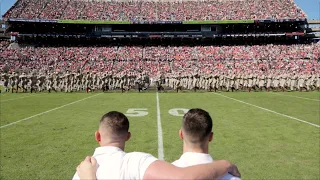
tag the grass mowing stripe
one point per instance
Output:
(45, 112)
(295, 97)
(160, 138)
(269, 110)
(17, 98)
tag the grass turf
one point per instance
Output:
(264, 145)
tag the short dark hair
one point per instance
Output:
(116, 121)
(197, 125)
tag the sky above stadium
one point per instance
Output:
(311, 7)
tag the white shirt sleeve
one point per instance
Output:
(137, 164)
(76, 177)
(175, 163)
(229, 177)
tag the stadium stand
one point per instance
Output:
(3, 35)
(130, 41)
(155, 10)
(154, 59)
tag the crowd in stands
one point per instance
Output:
(155, 10)
(3, 45)
(165, 59)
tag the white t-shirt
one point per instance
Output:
(192, 158)
(113, 163)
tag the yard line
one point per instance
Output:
(297, 97)
(45, 112)
(18, 98)
(160, 139)
(316, 125)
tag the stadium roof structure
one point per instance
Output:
(112, 18)
(212, 22)
(313, 21)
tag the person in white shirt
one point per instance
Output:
(111, 162)
(196, 133)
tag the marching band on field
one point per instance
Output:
(224, 81)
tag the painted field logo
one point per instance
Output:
(139, 112)
(178, 111)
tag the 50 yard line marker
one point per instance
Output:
(316, 125)
(160, 139)
(45, 112)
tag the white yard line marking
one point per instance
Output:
(45, 112)
(160, 139)
(17, 98)
(297, 97)
(316, 125)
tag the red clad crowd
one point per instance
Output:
(155, 10)
(157, 59)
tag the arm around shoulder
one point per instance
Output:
(164, 170)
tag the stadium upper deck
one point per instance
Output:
(155, 10)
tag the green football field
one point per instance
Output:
(268, 135)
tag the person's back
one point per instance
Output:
(120, 165)
(192, 158)
(112, 135)
(196, 133)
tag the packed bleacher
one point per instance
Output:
(155, 10)
(155, 59)
(3, 45)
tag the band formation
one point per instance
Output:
(229, 81)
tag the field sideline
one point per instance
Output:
(268, 135)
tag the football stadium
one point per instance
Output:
(253, 65)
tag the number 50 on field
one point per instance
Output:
(138, 112)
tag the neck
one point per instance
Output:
(120, 145)
(197, 148)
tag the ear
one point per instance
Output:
(97, 136)
(180, 134)
(128, 136)
(210, 136)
